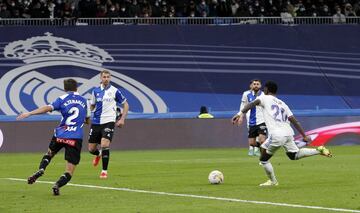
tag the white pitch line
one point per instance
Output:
(198, 196)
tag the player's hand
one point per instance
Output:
(234, 119)
(307, 139)
(23, 116)
(237, 119)
(87, 120)
(120, 123)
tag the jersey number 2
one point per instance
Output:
(75, 113)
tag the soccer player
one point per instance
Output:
(277, 116)
(255, 120)
(68, 134)
(104, 100)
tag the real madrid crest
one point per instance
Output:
(30, 86)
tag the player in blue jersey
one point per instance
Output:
(255, 120)
(75, 112)
(104, 101)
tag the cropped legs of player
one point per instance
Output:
(256, 137)
(271, 145)
(101, 133)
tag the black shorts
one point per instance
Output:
(257, 130)
(72, 148)
(99, 131)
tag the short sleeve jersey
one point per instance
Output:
(74, 109)
(276, 114)
(105, 100)
(254, 116)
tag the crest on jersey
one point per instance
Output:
(30, 85)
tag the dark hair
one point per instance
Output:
(255, 79)
(271, 87)
(203, 110)
(70, 85)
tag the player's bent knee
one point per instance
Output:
(92, 151)
(92, 148)
(291, 155)
(50, 153)
(264, 158)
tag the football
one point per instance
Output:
(216, 177)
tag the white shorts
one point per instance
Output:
(273, 143)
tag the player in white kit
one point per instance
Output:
(278, 117)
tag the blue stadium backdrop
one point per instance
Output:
(179, 68)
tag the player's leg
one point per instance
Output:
(268, 149)
(105, 156)
(64, 179)
(252, 140)
(260, 139)
(94, 140)
(294, 153)
(54, 147)
(252, 145)
(106, 137)
(261, 132)
(72, 157)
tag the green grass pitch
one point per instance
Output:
(314, 181)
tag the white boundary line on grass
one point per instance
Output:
(197, 196)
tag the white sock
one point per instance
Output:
(251, 148)
(256, 149)
(306, 152)
(269, 170)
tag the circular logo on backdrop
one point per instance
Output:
(1, 138)
(27, 86)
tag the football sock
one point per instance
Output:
(64, 179)
(45, 162)
(269, 170)
(96, 152)
(105, 155)
(306, 152)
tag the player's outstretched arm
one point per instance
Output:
(40, 110)
(299, 128)
(239, 117)
(121, 122)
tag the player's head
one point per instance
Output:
(270, 87)
(105, 77)
(255, 85)
(70, 85)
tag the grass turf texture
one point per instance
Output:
(313, 181)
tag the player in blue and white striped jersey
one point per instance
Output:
(255, 120)
(104, 101)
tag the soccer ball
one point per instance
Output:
(216, 177)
